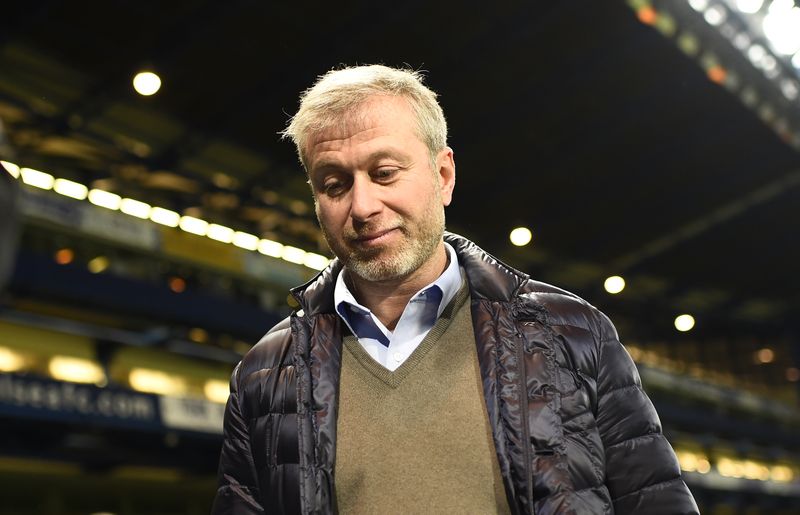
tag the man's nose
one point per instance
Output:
(364, 201)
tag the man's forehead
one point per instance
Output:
(371, 116)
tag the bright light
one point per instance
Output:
(754, 470)
(698, 5)
(155, 381)
(177, 284)
(220, 233)
(684, 323)
(520, 236)
(756, 54)
(614, 284)
(703, 466)
(75, 370)
(165, 217)
(782, 28)
(146, 83)
(765, 355)
(270, 248)
(216, 390)
(10, 361)
(36, 178)
(64, 256)
(11, 168)
(135, 208)
(769, 63)
(781, 6)
(781, 473)
(796, 60)
(105, 199)
(687, 460)
(245, 241)
(315, 261)
(715, 15)
(293, 254)
(71, 189)
(194, 225)
(749, 6)
(98, 264)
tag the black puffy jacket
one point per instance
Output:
(574, 431)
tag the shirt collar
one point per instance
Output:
(448, 284)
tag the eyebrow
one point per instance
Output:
(371, 158)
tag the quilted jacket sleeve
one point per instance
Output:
(238, 491)
(642, 472)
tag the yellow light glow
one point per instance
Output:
(156, 381)
(614, 284)
(98, 264)
(135, 208)
(216, 390)
(193, 225)
(315, 261)
(10, 361)
(75, 370)
(198, 335)
(270, 248)
(70, 189)
(765, 355)
(105, 199)
(146, 83)
(220, 233)
(703, 466)
(687, 460)
(293, 254)
(245, 241)
(520, 236)
(12, 168)
(684, 323)
(36, 178)
(781, 473)
(165, 217)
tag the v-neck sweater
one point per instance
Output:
(418, 439)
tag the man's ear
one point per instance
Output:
(446, 170)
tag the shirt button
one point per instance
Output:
(398, 357)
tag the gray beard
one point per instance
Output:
(391, 264)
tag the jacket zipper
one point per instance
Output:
(523, 400)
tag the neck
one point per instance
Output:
(387, 299)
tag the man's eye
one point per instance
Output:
(333, 188)
(384, 173)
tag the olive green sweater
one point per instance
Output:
(418, 440)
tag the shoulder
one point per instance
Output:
(561, 307)
(272, 350)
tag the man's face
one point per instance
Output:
(379, 203)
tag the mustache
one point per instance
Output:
(361, 230)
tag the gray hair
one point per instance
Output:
(340, 92)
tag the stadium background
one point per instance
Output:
(156, 236)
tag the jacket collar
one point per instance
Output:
(488, 278)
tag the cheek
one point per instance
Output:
(328, 215)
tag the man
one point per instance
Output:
(421, 374)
